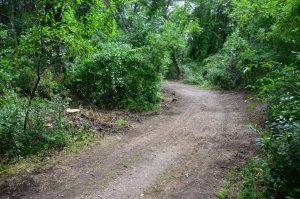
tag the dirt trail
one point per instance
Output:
(184, 152)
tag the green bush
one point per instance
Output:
(281, 89)
(225, 69)
(118, 76)
(50, 85)
(283, 152)
(277, 173)
(6, 53)
(193, 74)
(46, 126)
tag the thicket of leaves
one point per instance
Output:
(118, 76)
(280, 88)
(48, 127)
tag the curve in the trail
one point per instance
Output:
(196, 141)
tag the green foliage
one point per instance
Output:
(118, 76)
(252, 181)
(282, 151)
(51, 85)
(270, 25)
(280, 88)
(213, 18)
(6, 53)
(47, 126)
(259, 41)
(194, 74)
(170, 43)
(225, 69)
(222, 193)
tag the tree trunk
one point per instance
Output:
(12, 22)
(175, 63)
(38, 74)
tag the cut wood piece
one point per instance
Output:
(48, 125)
(73, 110)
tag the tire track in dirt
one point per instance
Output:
(203, 134)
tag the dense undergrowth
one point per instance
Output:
(133, 82)
(16, 141)
(49, 127)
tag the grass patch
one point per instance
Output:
(32, 163)
(222, 193)
(121, 122)
(244, 182)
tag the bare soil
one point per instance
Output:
(184, 152)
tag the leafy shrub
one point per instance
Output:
(282, 147)
(225, 69)
(46, 126)
(118, 76)
(193, 73)
(23, 79)
(51, 85)
(5, 59)
(277, 174)
(282, 151)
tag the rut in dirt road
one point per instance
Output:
(184, 152)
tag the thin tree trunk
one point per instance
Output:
(38, 73)
(167, 6)
(12, 22)
(32, 94)
(175, 63)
